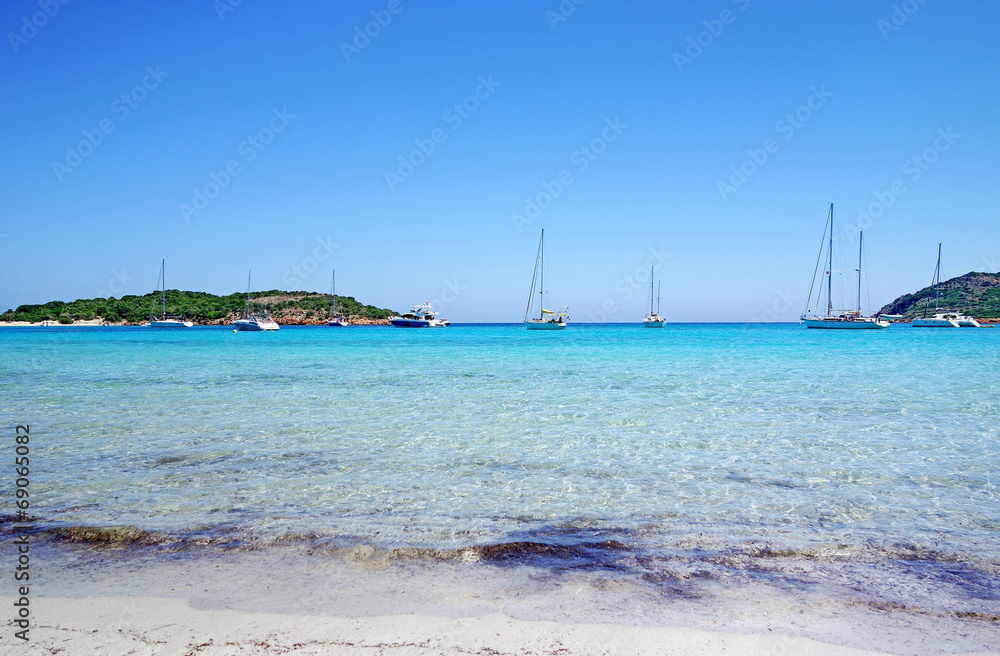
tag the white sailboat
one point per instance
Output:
(547, 319)
(335, 319)
(847, 319)
(253, 321)
(653, 319)
(166, 320)
(943, 318)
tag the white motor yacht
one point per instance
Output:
(421, 316)
(254, 321)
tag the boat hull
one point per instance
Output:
(934, 323)
(336, 324)
(840, 324)
(255, 326)
(654, 323)
(170, 324)
(544, 325)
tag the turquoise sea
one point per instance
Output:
(690, 462)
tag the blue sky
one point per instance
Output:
(833, 100)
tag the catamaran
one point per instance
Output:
(653, 319)
(421, 316)
(252, 321)
(166, 320)
(547, 319)
(335, 319)
(943, 318)
(848, 319)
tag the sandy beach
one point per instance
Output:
(170, 627)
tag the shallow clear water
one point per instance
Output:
(863, 460)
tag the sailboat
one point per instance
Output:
(547, 319)
(335, 319)
(165, 320)
(653, 319)
(943, 318)
(849, 319)
(253, 321)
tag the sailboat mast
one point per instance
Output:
(333, 294)
(541, 277)
(163, 274)
(247, 311)
(650, 291)
(861, 241)
(937, 278)
(829, 273)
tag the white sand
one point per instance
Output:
(170, 627)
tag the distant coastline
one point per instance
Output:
(287, 308)
(975, 293)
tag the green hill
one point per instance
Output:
(976, 294)
(200, 307)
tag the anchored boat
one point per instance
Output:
(847, 319)
(254, 321)
(547, 319)
(166, 320)
(942, 318)
(335, 319)
(653, 319)
(421, 316)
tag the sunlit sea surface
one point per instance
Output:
(856, 466)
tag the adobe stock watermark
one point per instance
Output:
(787, 127)
(363, 37)
(628, 285)
(782, 303)
(898, 17)
(450, 292)
(301, 272)
(455, 116)
(992, 265)
(30, 25)
(248, 149)
(122, 106)
(697, 44)
(223, 7)
(580, 160)
(116, 284)
(562, 13)
(913, 169)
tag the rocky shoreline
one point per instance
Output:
(228, 321)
